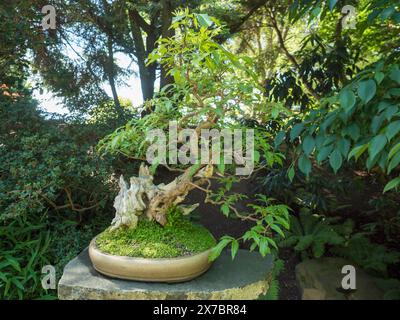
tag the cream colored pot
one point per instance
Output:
(151, 270)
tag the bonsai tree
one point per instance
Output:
(214, 91)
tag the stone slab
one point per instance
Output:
(246, 277)
(321, 279)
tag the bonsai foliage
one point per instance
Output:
(212, 89)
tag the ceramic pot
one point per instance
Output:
(150, 270)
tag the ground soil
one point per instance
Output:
(288, 289)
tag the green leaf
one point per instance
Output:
(204, 20)
(392, 129)
(332, 4)
(216, 251)
(272, 243)
(395, 74)
(390, 112)
(291, 173)
(234, 248)
(347, 99)
(304, 242)
(318, 249)
(379, 76)
(344, 146)
(296, 130)
(18, 284)
(392, 184)
(277, 229)
(394, 150)
(377, 122)
(225, 209)
(376, 145)
(335, 160)
(308, 144)
(304, 164)
(353, 131)
(14, 263)
(315, 12)
(394, 162)
(395, 92)
(264, 248)
(279, 138)
(366, 90)
(324, 153)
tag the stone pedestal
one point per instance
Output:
(321, 279)
(245, 278)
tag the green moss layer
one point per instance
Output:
(150, 240)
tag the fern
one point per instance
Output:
(273, 290)
(390, 287)
(311, 234)
(370, 256)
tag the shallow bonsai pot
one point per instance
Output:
(150, 270)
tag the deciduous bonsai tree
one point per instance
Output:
(213, 93)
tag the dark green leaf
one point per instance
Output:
(392, 184)
(324, 153)
(392, 129)
(344, 146)
(335, 160)
(279, 138)
(296, 130)
(366, 90)
(376, 145)
(332, 4)
(394, 162)
(308, 144)
(395, 74)
(347, 99)
(304, 164)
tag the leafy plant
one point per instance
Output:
(23, 252)
(268, 218)
(311, 234)
(214, 89)
(370, 256)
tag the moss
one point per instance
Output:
(150, 240)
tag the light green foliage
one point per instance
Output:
(210, 83)
(270, 222)
(215, 87)
(150, 240)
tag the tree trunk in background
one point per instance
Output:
(166, 20)
(111, 78)
(147, 74)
